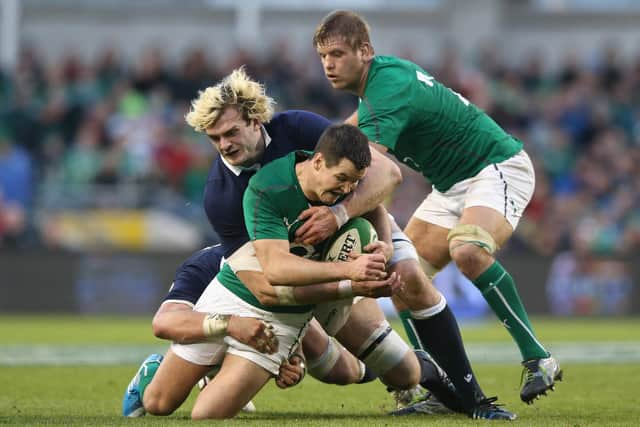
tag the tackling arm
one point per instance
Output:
(179, 323)
(313, 294)
(284, 268)
(383, 177)
(379, 218)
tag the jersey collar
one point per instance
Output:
(237, 170)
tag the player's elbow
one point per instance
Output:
(267, 298)
(387, 168)
(161, 328)
(395, 175)
(274, 275)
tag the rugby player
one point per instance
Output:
(482, 182)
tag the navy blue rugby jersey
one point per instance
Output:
(193, 276)
(287, 131)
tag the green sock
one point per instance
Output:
(499, 289)
(409, 328)
(146, 376)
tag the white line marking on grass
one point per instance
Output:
(507, 352)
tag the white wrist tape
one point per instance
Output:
(344, 289)
(285, 295)
(215, 325)
(341, 214)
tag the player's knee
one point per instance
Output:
(383, 350)
(415, 281)
(404, 375)
(470, 246)
(418, 291)
(408, 269)
(199, 412)
(330, 367)
(343, 373)
(155, 403)
(467, 257)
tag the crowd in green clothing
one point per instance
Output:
(110, 132)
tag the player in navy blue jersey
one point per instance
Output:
(229, 175)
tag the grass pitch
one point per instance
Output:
(594, 394)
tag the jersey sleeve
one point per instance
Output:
(193, 276)
(262, 217)
(384, 111)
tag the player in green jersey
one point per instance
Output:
(482, 179)
(272, 202)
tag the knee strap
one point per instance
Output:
(383, 350)
(474, 234)
(319, 368)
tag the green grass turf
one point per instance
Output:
(591, 395)
(24, 329)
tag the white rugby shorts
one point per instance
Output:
(506, 187)
(289, 328)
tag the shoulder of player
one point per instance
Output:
(206, 257)
(274, 174)
(292, 119)
(390, 74)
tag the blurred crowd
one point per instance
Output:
(79, 133)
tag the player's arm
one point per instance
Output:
(179, 323)
(353, 120)
(284, 268)
(175, 320)
(379, 218)
(292, 370)
(314, 294)
(270, 238)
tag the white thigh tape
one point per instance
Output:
(319, 368)
(383, 350)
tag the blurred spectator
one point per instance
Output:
(111, 133)
(15, 189)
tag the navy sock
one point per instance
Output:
(441, 337)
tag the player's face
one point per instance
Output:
(337, 181)
(344, 67)
(238, 141)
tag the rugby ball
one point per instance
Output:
(352, 237)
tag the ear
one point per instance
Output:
(317, 161)
(366, 51)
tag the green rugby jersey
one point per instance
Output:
(427, 126)
(272, 202)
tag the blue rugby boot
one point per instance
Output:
(132, 401)
(486, 409)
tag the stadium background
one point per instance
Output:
(101, 180)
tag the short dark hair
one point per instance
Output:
(342, 141)
(345, 25)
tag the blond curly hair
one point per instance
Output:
(236, 90)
